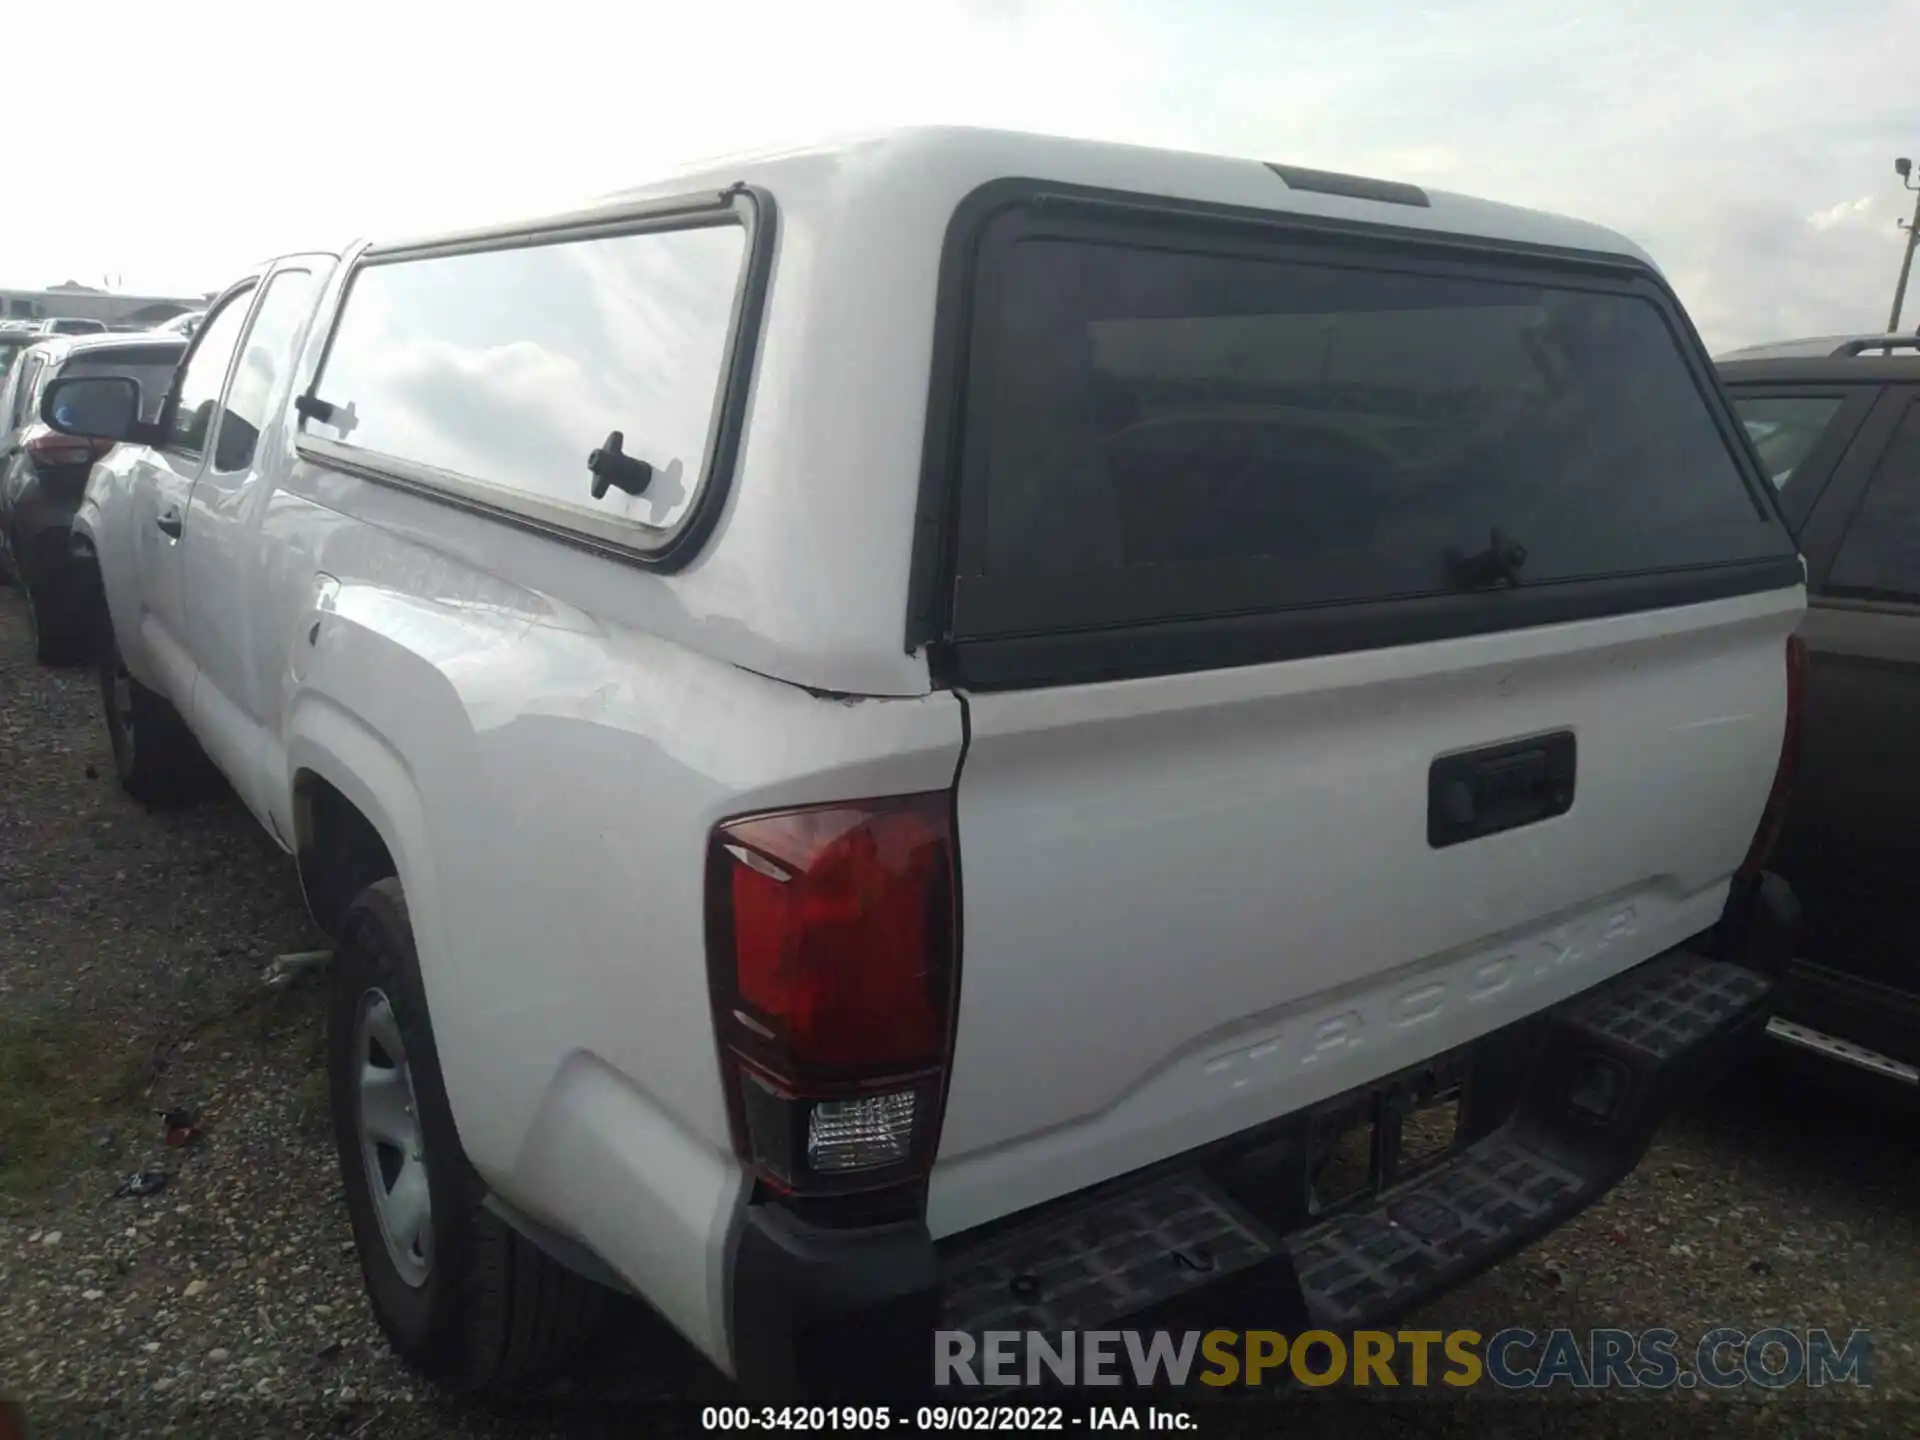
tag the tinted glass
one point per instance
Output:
(206, 375)
(153, 369)
(1339, 428)
(511, 366)
(277, 328)
(1881, 554)
(1784, 428)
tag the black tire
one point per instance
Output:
(154, 754)
(489, 1310)
(61, 625)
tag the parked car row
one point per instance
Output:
(44, 472)
(886, 728)
(59, 325)
(28, 331)
(183, 324)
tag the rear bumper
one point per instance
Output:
(817, 1310)
(1553, 1113)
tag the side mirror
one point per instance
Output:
(96, 407)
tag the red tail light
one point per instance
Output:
(831, 940)
(1773, 819)
(50, 447)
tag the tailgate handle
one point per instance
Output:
(1499, 787)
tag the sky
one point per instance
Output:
(1748, 147)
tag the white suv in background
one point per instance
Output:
(920, 732)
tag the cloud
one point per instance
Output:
(1423, 162)
(1847, 212)
(1717, 134)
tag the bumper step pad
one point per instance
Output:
(1358, 1266)
(1669, 1006)
(1122, 1254)
(1650, 1036)
(1652, 1032)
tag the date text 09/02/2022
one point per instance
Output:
(924, 1419)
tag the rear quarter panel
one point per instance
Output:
(105, 521)
(546, 781)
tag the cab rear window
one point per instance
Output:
(1156, 432)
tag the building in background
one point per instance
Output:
(83, 302)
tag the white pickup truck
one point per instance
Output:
(969, 731)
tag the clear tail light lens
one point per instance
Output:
(832, 942)
(861, 1134)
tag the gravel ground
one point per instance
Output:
(131, 952)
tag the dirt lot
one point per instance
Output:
(131, 952)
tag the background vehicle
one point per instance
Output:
(850, 802)
(42, 475)
(1837, 425)
(72, 325)
(15, 346)
(183, 324)
(12, 343)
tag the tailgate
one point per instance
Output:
(1194, 903)
(1366, 641)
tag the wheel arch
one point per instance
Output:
(94, 528)
(358, 817)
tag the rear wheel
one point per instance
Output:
(463, 1297)
(154, 754)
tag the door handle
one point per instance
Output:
(169, 522)
(1500, 787)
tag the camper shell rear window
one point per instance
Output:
(1327, 439)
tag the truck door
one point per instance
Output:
(221, 554)
(161, 481)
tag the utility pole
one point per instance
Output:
(1903, 167)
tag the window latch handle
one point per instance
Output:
(609, 466)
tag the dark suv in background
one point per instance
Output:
(1837, 426)
(43, 473)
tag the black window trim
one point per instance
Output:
(1797, 498)
(1117, 651)
(664, 550)
(1845, 490)
(303, 264)
(244, 292)
(1903, 405)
